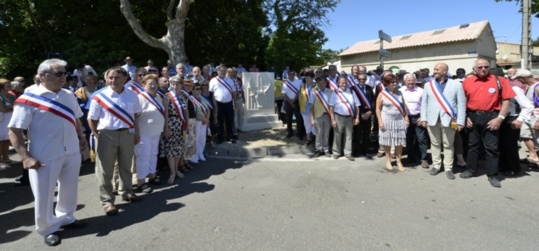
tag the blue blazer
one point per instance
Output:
(431, 110)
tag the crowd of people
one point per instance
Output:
(463, 119)
(134, 116)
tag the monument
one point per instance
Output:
(259, 106)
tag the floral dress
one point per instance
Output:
(174, 146)
(394, 133)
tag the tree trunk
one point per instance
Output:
(172, 42)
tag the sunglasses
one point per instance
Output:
(58, 73)
(482, 67)
(361, 79)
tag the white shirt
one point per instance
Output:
(220, 92)
(323, 93)
(526, 106)
(288, 91)
(80, 75)
(131, 69)
(333, 83)
(50, 135)
(340, 106)
(150, 120)
(127, 100)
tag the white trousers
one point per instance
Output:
(65, 171)
(202, 132)
(146, 154)
(307, 122)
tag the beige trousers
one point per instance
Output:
(441, 136)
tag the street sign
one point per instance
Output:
(385, 53)
(384, 36)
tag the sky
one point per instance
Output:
(359, 20)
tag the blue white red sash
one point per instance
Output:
(161, 93)
(346, 103)
(221, 81)
(333, 85)
(440, 97)
(153, 101)
(291, 87)
(199, 105)
(114, 109)
(322, 100)
(209, 101)
(178, 104)
(363, 96)
(350, 81)
(47, 104)
(134, 86)
(394, 100)
(380, 87)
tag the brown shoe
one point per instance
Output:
(425, 164)
(380, 154)
(131, 198)
(110, 210)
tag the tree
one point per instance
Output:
(298, 38)
(173, 41)
(534, 4)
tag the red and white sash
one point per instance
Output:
(360, 93)
(47, 104)
(177, 103)
(322, 100)
(350, 81)
(394, 100)
(444, 103)
(134, 86)
(333, 85)
(199, 105)
(114, 109)
(222, 82)
(291, 87)
(346, 103)
(153, 101)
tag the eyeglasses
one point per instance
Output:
(140, 75)
(196, 89)
(361, 79)
(482, 67)
(58, 73)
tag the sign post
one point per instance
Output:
(383, 53)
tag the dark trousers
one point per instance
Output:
(225, 116)
(416, 140)
(481, 136)
(294, 111)
(508, 146)
(361, 137)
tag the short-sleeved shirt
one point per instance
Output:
(150, 121)
(340, 104)
(413, 99)
(127, 100)
(50, 136)
(296, 83)
(484, 95)
(220, 92)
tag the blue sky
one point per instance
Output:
(359, 20)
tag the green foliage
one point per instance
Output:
(534, 5)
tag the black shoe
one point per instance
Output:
(494, 182)
(327, 154)
(233, 141)
(220, 142)
(22, 183)
(466, 174)
(317, 154)
(53, 239)
(235, 137)
(290, 135)
(75, 225)
(450, 175)
(434, 171)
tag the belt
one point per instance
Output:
(480, 112)
(414, 116)
(116, 130)
(342, 115)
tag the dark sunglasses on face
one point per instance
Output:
(482, 67)
(360, 79)
(58, 73)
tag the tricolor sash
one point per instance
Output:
(221, 81)
(153, 101)
(291, 86)
(346, 103)
(209, 101)
(380, 87)
(440, 97)
(322, 100)
(134, 86)
(199, 105)
(161, 93)
(114, 109)
(394, 100)
(178, 104)
(333, 85)
(363, 96)
(350, 81)
(49, 105)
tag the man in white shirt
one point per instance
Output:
(53, 155)
(223, 98)
(344, 112)
(290, 90)
(81, 72)
(113, 119)
(129, 67)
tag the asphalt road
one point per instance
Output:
(294, 203)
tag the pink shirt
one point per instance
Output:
(413, 99)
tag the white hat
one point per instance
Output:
(521, 73)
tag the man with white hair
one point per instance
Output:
(51, 115)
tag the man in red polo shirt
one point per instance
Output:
(488, 101)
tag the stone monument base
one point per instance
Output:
(260, 122)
